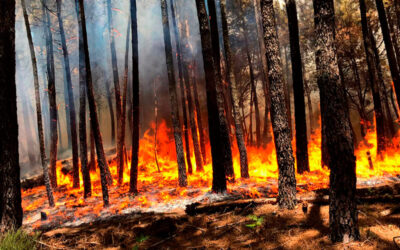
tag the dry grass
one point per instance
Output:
(267, 227)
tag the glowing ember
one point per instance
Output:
(162, 187)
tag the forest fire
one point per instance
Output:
(172, 124)
(159, 190)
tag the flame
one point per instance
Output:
(162, 187)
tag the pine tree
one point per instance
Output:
(280, 124)
(343, 221)
(10, 186)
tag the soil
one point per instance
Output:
(252, 227)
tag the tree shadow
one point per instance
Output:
(314, 218)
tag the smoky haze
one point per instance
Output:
(152, 69)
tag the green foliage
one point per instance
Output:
(17, 240)
(140, 239)
(257, 221)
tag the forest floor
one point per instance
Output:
(254, 227)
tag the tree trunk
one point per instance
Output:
(38, 108)
(388, 124)
(52, 98)
(193, 126)
(10, 186)
(198, 114)
(218, 143)
(121, 131)
(343, 221)
(252, 82)
(394, 70)
(82, 112)
(267, 105)
(224, 126)
(280, 124)
(373, 80)
(135, 101)
(117, 91)
(173, 97)
(244, 168)
(102, 162)
(182, 89)
(71, 101)
(287, 93)
(394, 37)
(92, 152)
(298, 88)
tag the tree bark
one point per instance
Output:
(198, 114)
(244, 168)
(52, 97)
(373, 80)
(223, 126)
(288, 97)
(135, 101)
(280, 124)
(298, 88)
(182, 89)
(394, 70)
(343, 221)
(39, 118)
(218, 144)
(101, 158)
(121, 131)
(117, 90)
(173, 97)
(188, 82)
(71, 101)
(388, 124)
(10, 186)
(253, 85)
(87, 186)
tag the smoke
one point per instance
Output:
(152, 69)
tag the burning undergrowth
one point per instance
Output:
(158, 185)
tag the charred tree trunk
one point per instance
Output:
(117, 91)
(52, 98)
(10, 186)
(71, 101)
(244, 169)
(87, 186)
(102, 162)
(394, 70)
(388, 124)
(373, 80)
(188, 83)
(173, 97)
(280, 124)
(198, 114)
(182, 89)
(92, 151)
(252, 83)
(255, 101)
(298, 88)
(267, 105)
(251, 138)
(224, 129)
(288, 97)
(121, 131)
(343, 221)
(218, 143)
(135, 101)
(38, 108)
